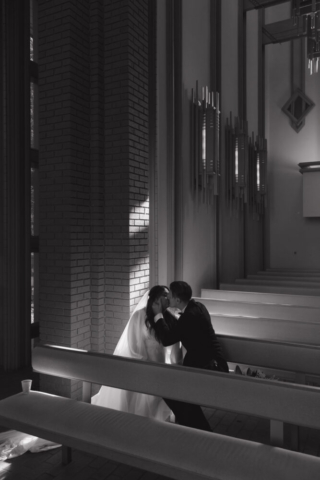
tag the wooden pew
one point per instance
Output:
(281, 312)
(160, 447)
(267, 329)
(301, 360)
(297, 271)
(288, 274)
(260, 297)
(243, 285)
(281, 282)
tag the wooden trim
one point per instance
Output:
(283, 31)
(242, 116)
(3, 243)
(215, 82)
(34, 244)
(258, 4)
(34, 158)
(152, 84)
(261, 124)
(241, 61)
(34, 330)
(16, 233)
(34, 71)
(261, 77)
(179, 167)
(170, 140)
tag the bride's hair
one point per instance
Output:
(155, 293)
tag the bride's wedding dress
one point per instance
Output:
(135, 342)
(140, 343)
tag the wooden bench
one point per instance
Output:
(280, 289)
(281, 312)
(281, 282)
(261, 297)
(267, 329)
(301, 361)
(303, 277)
(167, 449)
(292, 271)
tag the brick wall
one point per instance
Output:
(126, 172)
(94, 210)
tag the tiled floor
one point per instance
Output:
(47, 465)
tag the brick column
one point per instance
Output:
(126, 173)
(93, 86)
(64, 101)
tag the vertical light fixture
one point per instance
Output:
(261, 175)
(205, 144)
(245, 166)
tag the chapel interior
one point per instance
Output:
(146, 141)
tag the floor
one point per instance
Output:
(47, 465)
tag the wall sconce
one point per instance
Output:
(236, 139)
(257, 174)
(246, 167)
(205, 144)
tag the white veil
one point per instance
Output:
(137, 342)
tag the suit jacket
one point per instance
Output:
(194, 330)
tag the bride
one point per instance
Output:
(137, 341)
(140, 341)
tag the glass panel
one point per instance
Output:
(34, 287)
(33, 31)
(34, 201)
(34, 141)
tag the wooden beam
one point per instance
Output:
(305, 7)
(283, 31)
(256, 4)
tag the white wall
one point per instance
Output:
(231, 248)
(198, 219)
(197, 247)
(294, 240)
(252, 70)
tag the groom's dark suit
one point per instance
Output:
(194, 330)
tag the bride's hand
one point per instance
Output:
(157, 307)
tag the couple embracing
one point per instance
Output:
(164, 320)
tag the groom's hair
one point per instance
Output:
(181, 290)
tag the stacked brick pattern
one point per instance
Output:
(126, 174)
(97, 160)
(94, 206)
(64, 175)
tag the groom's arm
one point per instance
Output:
(166, 327)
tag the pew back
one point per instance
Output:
(275, 289)
(281, 312)
(159, 447)
(267, 329)
(296, 404)
(261, 297)
(300, 359)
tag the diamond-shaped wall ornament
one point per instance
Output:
(297, 108)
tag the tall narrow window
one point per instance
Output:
(34, 154)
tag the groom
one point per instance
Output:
(194, 330)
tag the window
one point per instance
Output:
(34, 155)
